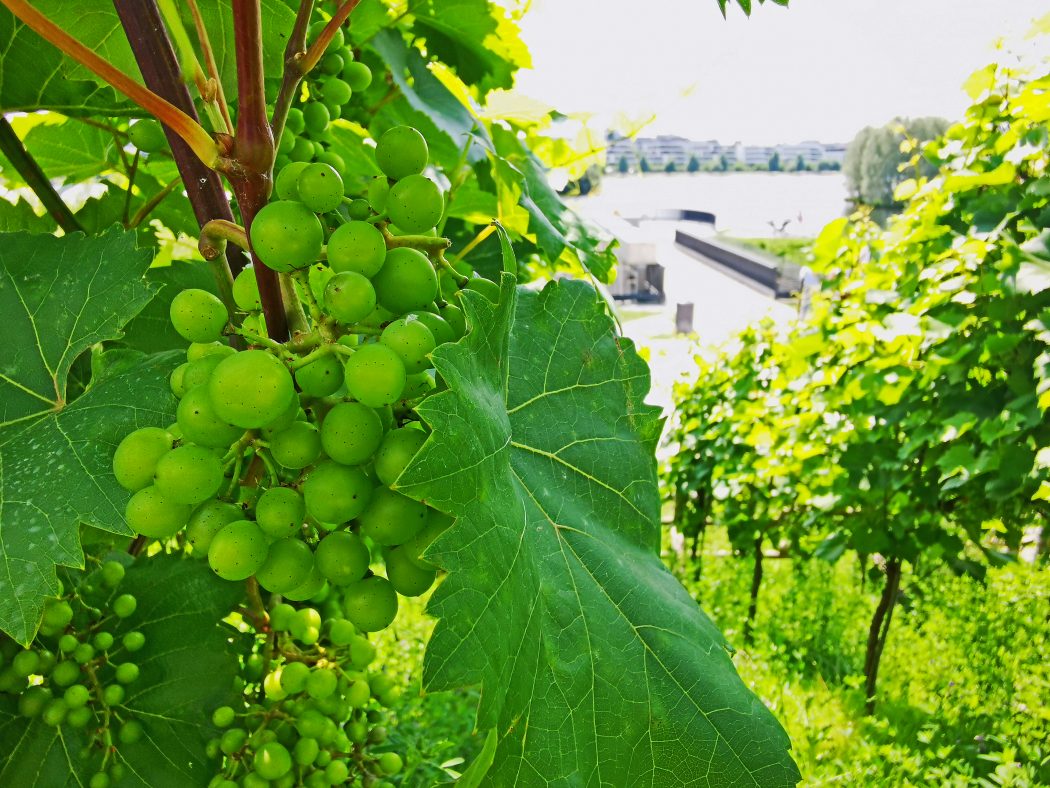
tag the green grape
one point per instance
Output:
(370, 604)
(135, 460)
(342, 558)
(302, 152)
(336, 772)
(233, 740)
(33, 701)
(331, 63)
(287, 182)
(377, 193)
(103, 641)
(335, 161)
(485, 287)
(280, 512)
(338, 41)
(375, 375)
(294, 676)
(281, 616)
(58, 614)
(358, 210)
(76, 696)
(67, 643)
(65, 673)
(134, 641)
(351, 433)
(199, 350)
(362, 653)
(358, 694)
(238, 550)
(113, 695)
(112, 573)
(317, 117)
(83, 653)
(295, 122)
(152, 514)
(336, 91)
(358, 77)
(290, 415)
(453, 315)
(199, 372)
(340, 631)
(415, 204)
(54, 712)
(305, 751)
(147, 135)
(286, 235)
(406, 282)
(80, 717)
(251, 389)
(207, 520)
(320, 188)
(349, 297)
(335, 493)
(405, 575)
(396, 452)
(130, 732)
(200, 423)
(390, 763)
(284, 146)
(323, 377)
(412, 341)
(311, 587)
(321, 683)
(124, 605)
(99, 780)
(177, 380)
(26, 663)
(223, 717)
(188, 474)
(306, 627)
(357, 246)
(198, 316)
(287, 566)
(246, 290)
(392, 518)
(438, 326)
(401, 152)
(297, 446)
(127, 672)
(416, 386)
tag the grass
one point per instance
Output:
(794, 250)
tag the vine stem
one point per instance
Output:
(293, 74)
(216, 233)
(30, 171)
(313, 54)
(186, 127)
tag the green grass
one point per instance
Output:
(794, 250)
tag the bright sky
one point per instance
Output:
(821, 69)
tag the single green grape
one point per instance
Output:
(207, 520)
(486, 287)
(401, 152)
(416, 386)
(407, 577)
(311, 587)
(320, 188)
(147, 135)
(76, 696)
(438, 326)
(154, 515)
(177, 380)
(335, 493)
(295, 122)
(251, 389)
(437, 524)
(54, 712)
(200, 423)
(287, 182)
(323, 377)
(377, 193)
(286, 235)
(58, 613)
(358, 210)
(321, 683)
(390, 763)
(342, 558)
(297, 446)
(136, 457)
(406, 282)
(392, 518)
(112, 573)
(370, 604)
(412, 341)
(233, 740)
(349, 297)
(335, 161)
(238, 550)
(294, 676)
(357, 246)
(415, 204)
(287, 566)
(103, 641)
(305, 751)
(351, 433)
(199, 350)
(396, 452)
(272, 761)
(33, 701)
(359, 76)
(130, 732)
(133, 641)
(198, 316)
(302, 151)
(317, 117)
(65, 673)
(26, 663)
(188, 474)
(223, 717)
(336, 91)
(246, 290)
(336, 772)
(199, 372)
(280, 512)
(127, 672)
(453, 315)
(124, 605)
(362, 652)
(375, 375)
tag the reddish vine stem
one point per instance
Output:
(317, 49)
(293, 74)
(30, 171)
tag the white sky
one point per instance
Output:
(821, 69)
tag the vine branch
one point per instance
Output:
(30, 171)
(317, 49)
(293, 74)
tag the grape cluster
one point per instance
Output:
(311, 709)
(76, 672)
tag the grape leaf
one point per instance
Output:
(596, 666)
(187, 670)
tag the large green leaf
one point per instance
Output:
(72, 150)
(596, 666)
(187, 670)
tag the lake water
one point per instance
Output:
(745, 203)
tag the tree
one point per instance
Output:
(224, 473)
(800, 164)
(643, 165)
(624, 166)
(874, 158)
(693, 165)
(723, 163)
(670, 166)
(774, 162)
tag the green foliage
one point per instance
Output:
(878, 159)
(794, 250)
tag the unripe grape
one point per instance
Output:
(223, 717)
(396, 452)
(485, 287)
(136, 457)
(342, 558)
(154, 515)
(287, 566)
(412, 341)
(251, 389)
(246, 290)
(370, 604)
(311, 587)
(112, 573)
(287, 418)
(296, 447)
(188, 475)
(177, 380)
(147, 135)
(124, 605)
(351, 433)
(26, 663)
(335, 493)
(349, 297)
(340, 631)
(316, 116)
(362, 653)
(199, 372)
(405, 575)
(401, 151)
(320, 188)
(331, 63)
(358, 210)
(357, 246)
(199, 350)
(321, 683)
(57, 615)
(33, 701)
(207, 520)
(375, 375)
(359, 76)
(294, 676)
(198, 316)
(406, 282)
(127, 672)
(390, 763)
(280, 512)
(238, 550)
(336, 772)
(453, 315)
(103, 641)
(54, 712)
(415, 204)
(272, 761)
(99, 780)
(67, 643)
(305, 751)
(134, 641)
(200, 423)
(378, 192)
(295, 122)
(302, 153)
(83, 653)
(76, 696)
(65, 673)
(439, 327)
(336, 91)
(335, 161)
(113, 695)
(392, 518)
(323, 377)
(233, 740)
(286, 235)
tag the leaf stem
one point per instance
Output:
(215, 79)
(154, 201)
(30, 171)
(478, 239)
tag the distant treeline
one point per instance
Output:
(723, 164)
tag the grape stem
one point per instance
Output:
(461, 281)
(256, 604)
(216, 233)
(297, 322)
(427, 243)
(266, 342)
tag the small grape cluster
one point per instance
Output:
(76, 672)
(310, 713)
